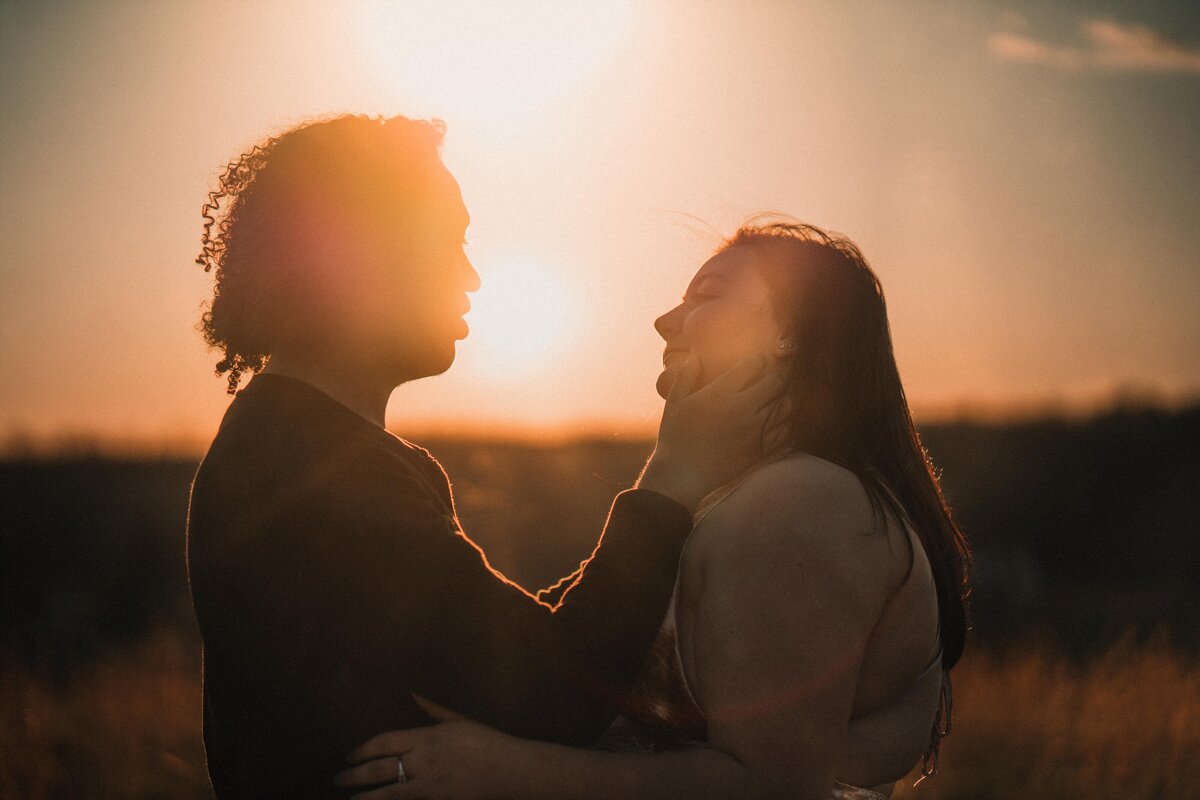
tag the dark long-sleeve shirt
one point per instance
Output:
(331, 582)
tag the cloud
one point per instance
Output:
(1110, 46)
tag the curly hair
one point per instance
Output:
(257, 219)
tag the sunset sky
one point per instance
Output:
(1024, 179)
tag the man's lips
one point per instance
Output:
(463, 309)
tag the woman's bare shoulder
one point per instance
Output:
(799, 509)
(807, 477)
(795, 494)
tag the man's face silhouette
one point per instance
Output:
(396, 290)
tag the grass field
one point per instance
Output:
(1081, 679)
(1035, 724)
(1027, 725)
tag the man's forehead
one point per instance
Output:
(438, 204)
(448, 198)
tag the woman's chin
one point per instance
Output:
(666, 379)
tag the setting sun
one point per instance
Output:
(524, 317)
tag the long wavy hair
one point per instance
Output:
(265, 220)
(844, 402)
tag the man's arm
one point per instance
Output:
(558, 672)
(410, 606)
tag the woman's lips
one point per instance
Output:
(673, 353)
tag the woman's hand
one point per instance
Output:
(457, 758)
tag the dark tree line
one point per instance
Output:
(1082, 530)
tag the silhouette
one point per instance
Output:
(330, 577)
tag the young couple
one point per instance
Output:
(772, 611)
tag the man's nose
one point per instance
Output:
(470, 277)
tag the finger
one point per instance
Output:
(440, 713)
(371, 773)
(685, 381)
(763, 392)
(740, 375)
(392, 743)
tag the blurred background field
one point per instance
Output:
(1082, 677)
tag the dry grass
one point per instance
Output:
(127, 726)
(1033, 725)
(1027, 725)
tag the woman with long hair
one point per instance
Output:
(820, 600)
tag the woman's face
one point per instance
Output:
(726, 315)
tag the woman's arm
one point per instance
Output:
(788, 577)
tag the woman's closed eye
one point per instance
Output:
(709, 288)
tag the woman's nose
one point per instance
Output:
(668, 323)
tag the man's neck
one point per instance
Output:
(357, 389)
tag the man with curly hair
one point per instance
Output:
(330, 578)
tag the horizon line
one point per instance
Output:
(19, 442)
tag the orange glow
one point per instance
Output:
(493, 63)
(523, 317)
(581, 134)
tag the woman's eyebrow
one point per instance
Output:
(705, 280)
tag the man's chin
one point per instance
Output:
(429, 364)
(444, 362)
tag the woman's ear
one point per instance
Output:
(785, 346)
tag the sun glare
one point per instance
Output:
(523, 318)
(498, 62)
